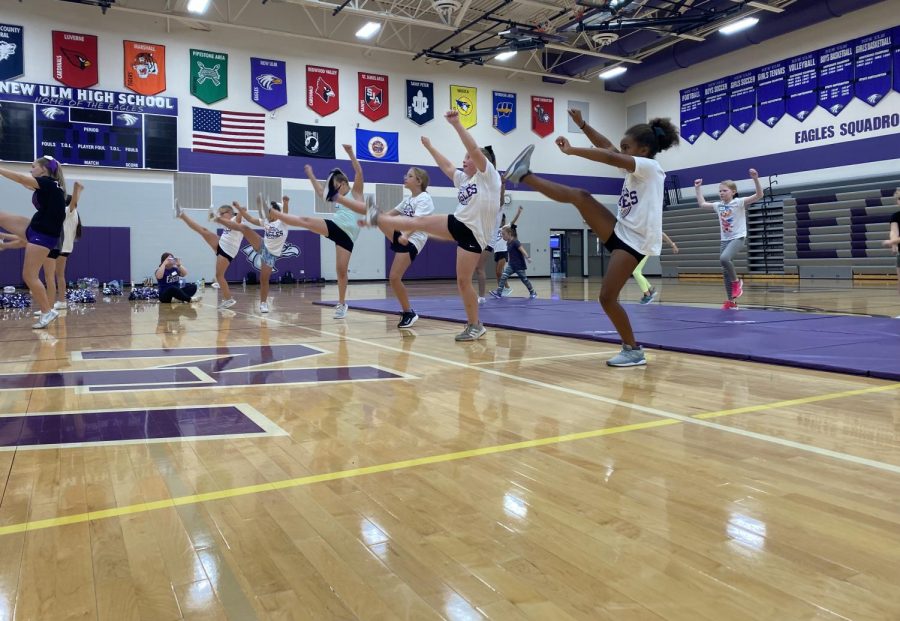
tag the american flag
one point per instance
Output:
(234, 133)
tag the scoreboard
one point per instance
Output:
(88, 127)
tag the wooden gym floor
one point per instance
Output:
(356, 473)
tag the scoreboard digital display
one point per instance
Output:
(87, 127)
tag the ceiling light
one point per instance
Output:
(612, 73)
(197, 6)
(743, 24)
(505, 55)
(369, 30)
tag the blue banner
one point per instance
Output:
(504, 107)
(691, 114)
(377, 146)
(419, 101)
(770, 87)
(873, 66)
(895, 44)
(12, 51)
(742, 100)
(802, 86)
(268, 82)
(715, 108)
(836, 77)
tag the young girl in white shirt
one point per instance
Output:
(225, 246)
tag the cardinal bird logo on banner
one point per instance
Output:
(322, 94)
(75, 59)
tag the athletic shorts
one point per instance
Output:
(501, 256)
(267, 257)
(225, 255)
(339, 236)
(408, 248)
(614, 243)
(41, 239)
(463, 235)
(56, 253)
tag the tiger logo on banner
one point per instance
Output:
(373, 95)
(322, 94)
(75, 59)
(145, 67)
(464, 99)
(542, 115)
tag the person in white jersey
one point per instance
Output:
(478, 187)
(225, 246)
(637, 232)
(342, 228)
(55, 263)
(269, 246)
(732, 213)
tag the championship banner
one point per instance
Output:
(836, 77)
(268, 83)
(377, 146)
(373, 95)
(691, 114)
(770, 88)
(504, 107)
(322, 94)
(715, 108)
(742, 100)
(75, 59)
(310, 140)
(12, 51)
(464, 99)
(542, 115)
(801, 89)
(873, 66)
(419, 101)
(209, 76)
(145, 67)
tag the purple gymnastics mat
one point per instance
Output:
(855, 344)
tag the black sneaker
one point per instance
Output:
(408, 319)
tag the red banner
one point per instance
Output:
(373, 95)
(322, 95)
(75, 59)
(542, 115)
(145, 67)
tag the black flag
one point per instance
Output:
(310, 140)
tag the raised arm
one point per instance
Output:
(597, 139)
(472, 148)
(599, 154)
(759, 191)
(700, 200)
(357, 189)
(244, 214)
(672, 244)
(317, 187)
(76, 195)
(443, 163)
(515, 219)
(284, 203)
(27, 180)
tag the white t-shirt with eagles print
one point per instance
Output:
(640, 207)
(414, 206)
(479, 201)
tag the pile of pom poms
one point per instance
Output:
(113, 287)
(80, 296)
(14, 300)
(144, 293)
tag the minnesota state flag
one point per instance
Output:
(464, 99)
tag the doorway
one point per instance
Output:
(567, 253)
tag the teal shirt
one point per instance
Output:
(347, 220)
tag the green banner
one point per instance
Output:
(209, 76)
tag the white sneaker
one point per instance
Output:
(46, 319)
(176, 210)
(196, 299)
(59, 306)
(227, 303)
(37, 313)
(340, 311)
(507, 291)
(480, 300)
(212, 214)
(264, 307)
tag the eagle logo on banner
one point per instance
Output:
(75, 59)
(268, 87)
(322, 94)
(464, 99)
(145, 67)
(373, 96)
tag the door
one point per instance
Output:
(574, 253)
(598, 256)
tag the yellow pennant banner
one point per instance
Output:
(464, 99)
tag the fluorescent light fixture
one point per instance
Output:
(743, 24)
(369, 30)
(505, 55)
(612, 73)
(197, 6)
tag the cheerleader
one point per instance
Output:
(225, 246)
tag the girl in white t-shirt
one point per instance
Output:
(638, 230)
(269, 245)
(225, 246)
(732, 212)
(478, 190)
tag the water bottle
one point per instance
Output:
(202, 283)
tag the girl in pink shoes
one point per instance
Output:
(732, 212)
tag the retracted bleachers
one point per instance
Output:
(696, 231)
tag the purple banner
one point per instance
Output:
(268, 82)
(895, 45)
(802, 81)
(691, 114)
(715, 107)
(742, 100)
(836, 77)
(770, 89)
(873, 66)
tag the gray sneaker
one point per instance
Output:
(520, 166)
(628, 357)
(340, 311)
(176, 210)
(372, 211)
(46, 319)
(262, 207)
(471, 332)
(651, 295)
(213, 214)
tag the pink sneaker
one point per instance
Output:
(737, 289)
(729, 305)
